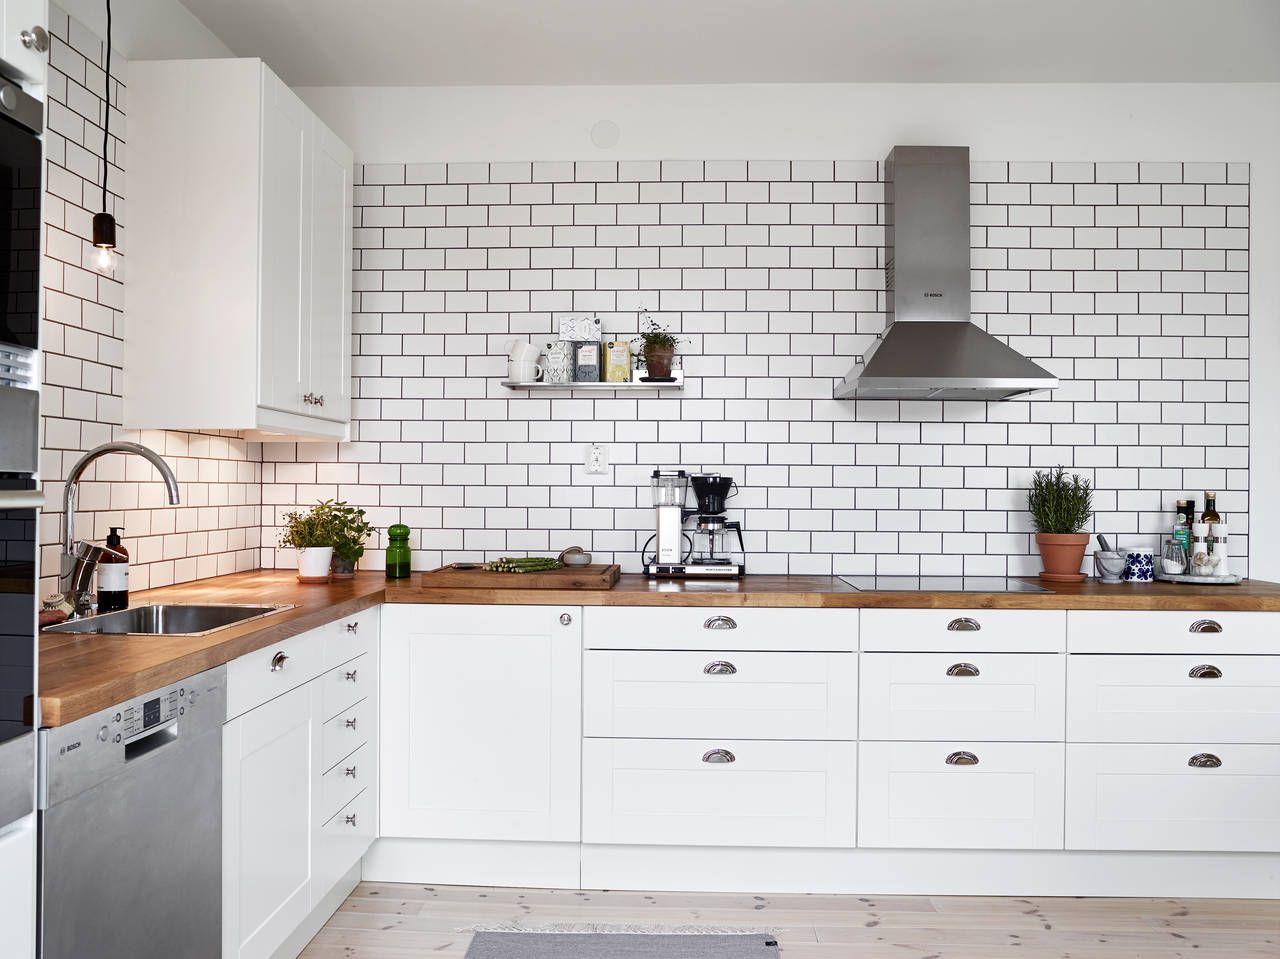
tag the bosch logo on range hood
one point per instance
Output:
(930, 350)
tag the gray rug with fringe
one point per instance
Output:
(621, 945)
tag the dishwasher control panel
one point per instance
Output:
(100, 746)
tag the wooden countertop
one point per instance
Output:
(81, 674)
(830, 592)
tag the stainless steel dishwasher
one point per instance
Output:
(131, 827)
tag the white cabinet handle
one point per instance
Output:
(718, 756)
(1206, 626)
(964, 625)
(963, 669)
(1206, 671)
(1204, 761)
(720, 668)
(278, 661)
(720, 622)
(962, 758)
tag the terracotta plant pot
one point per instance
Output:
(1062, 554)
(657, 360)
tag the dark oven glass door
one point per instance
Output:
(19, 235)
(18, 589)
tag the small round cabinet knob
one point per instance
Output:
(36, 38)
(565, 619)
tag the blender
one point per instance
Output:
(709, 553)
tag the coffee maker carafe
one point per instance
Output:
(711, 552)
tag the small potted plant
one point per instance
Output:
(659, 348)
(312, 534)
(350, 534)
(1060, 509)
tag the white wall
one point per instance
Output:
(149, 29)
(1061, 122)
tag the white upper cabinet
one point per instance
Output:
(24, 46)
(238, 255)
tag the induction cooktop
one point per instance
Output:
(941, 584)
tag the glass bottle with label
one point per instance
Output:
(1210, 508)
(113, 575)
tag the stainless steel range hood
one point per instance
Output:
(930, 350)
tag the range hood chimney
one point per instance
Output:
(930, 349)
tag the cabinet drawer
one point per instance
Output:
(1173, 699)
(341, 841)
(669, 792)
(349, 637)
(266, 673)
(709, 627)
(957, 630)
(1168, 631)
(736, 695)
(345, 732)
(1122, 796)
(916, 795)
(340, 784)
(346, 685)
(1012, 697)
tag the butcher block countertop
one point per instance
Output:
(80, 675)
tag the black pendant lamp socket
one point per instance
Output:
(104, 224)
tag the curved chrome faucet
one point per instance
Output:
(79, 563)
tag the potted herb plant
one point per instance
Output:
(659, 347)
(350, 534)
(1060, 508)
(312, 534)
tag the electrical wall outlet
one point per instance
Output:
(597, 460)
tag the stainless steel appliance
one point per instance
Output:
(930, 349)
(131, 827)
(710, 553)
(21, 121)
(941, 584)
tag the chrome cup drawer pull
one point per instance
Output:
(718, 756)
(719, 668)
(1204, 761)
(1206, 671)
(278, 661)
(964, 624)
(962, 758)
(720, 622)
(963, 669)
(1206, 626)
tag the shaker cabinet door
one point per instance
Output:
(328, 339)
(481, 722)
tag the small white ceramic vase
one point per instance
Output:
(313, 564)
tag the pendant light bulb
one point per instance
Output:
(104, 260)
(104, 242)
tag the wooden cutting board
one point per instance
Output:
(595, 576)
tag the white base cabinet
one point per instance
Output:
(299, 783)
(18, 904)
(481, 722)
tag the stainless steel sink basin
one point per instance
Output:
(161, 619)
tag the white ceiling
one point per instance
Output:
(424, 42)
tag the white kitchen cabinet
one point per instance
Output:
(721, 627)
(19, 47)
(1201, 796)
(960, 795)
(1172, 631)
(18, 904)
(481, 722)
(964, 630)
(1005, 697)
(239, 260)
(719, 792)
(271, 758)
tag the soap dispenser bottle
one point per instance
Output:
(113, 575)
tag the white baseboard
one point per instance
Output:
(935, 872)
(465, 862)
(297, 941)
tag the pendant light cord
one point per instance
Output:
(106, 119)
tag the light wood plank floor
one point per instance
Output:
(395, 921)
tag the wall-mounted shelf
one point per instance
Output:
(632, 387)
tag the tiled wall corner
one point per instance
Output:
(217, 527)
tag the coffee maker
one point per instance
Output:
(709, 552)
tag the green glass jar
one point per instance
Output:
(399, 556)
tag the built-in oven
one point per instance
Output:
(21, 121)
